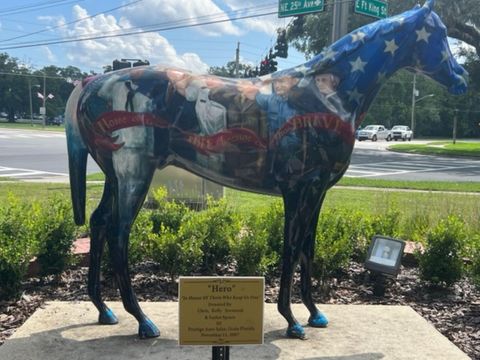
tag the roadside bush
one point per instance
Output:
(55, 234)
(273, 221)
(251, 249)
(442, 261)
(17, 245)
(334, 247)
(475, 256)
(169, 214)
(416, 226)
(175, 252)
(214, 229)
(359, 230)
(386, 224)
(140, 247)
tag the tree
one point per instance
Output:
(228, 70)
(18, 83)
(311, 33)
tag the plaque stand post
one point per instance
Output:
(221, 353)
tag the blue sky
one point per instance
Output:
(195, 48)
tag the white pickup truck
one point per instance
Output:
(374, 133)
(402, 132)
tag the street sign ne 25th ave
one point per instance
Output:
(375, 8)
(298, 7)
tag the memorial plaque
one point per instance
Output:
(221, 310)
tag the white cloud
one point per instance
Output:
(170, 12)
(48, 54)
(266, 24)
(94, 54)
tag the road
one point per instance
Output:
(28, 154)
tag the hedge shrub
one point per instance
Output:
(17, 245)
(442, 262)
(55, 233)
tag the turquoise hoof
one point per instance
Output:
(147, 329)
(107, 318)
(319, 320)
(296, 332)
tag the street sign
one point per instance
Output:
(298, 7)
(375, 8)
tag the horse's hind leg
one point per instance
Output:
(316, 319)
(99, 221)
(131, 188)
(302, 206)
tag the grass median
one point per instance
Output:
(410, 204)
(442, 148)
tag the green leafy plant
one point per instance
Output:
(17, 245)
(251, 250)
(214, 229)
(55, 232)
(442, 261)
(175, 252)
(169, 214)
(475, 257)
(334, 247)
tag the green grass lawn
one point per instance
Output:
(461, 148)
(411, 205)
(28, 126)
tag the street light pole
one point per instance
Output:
(414, 101)
(414, 94)
(30, 95)
(44, 98)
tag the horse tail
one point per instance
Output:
(77, 156)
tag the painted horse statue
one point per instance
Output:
(290, 133)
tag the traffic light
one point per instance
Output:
(281, 48)
(141, 63)
(264, 66)
(117, 64)
(271, 62)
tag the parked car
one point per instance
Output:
(57, 120)
(402, 132)
(374, 133)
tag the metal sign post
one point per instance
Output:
(221, 353)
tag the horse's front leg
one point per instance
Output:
(99, 221)
(302, 205)
(131, 188)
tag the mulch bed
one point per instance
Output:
(454, 312)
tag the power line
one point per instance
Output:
(210, 17)
(73, 22)
(134, 32)
(38, 6)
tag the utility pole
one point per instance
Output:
(414, 94)
(30, 97)
(237, 60)
(455, 127)
(340, 19)
(44, 98)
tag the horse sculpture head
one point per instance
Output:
(364, 59)
(434, 56)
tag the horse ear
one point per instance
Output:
(429, 4)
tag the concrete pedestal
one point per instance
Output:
(69, 331)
